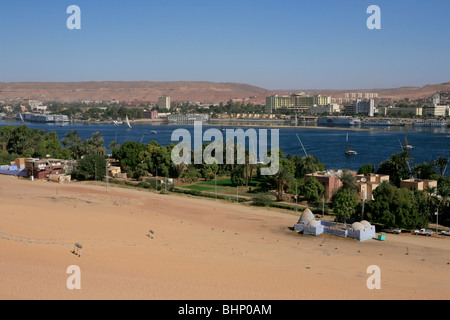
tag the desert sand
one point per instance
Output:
(202, 249)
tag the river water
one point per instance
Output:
(329, 145)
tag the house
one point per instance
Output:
(153, 114)
(331, 180)
(43, 169)
(418, 184)
(368, 183)
(114, 172)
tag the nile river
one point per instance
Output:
(373, 146)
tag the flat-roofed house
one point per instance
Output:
(368, 183)
(43, 169)
(414, 184)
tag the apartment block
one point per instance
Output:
(164, 102)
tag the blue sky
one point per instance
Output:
(283, 44)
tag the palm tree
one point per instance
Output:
(114, 146)
(5, 135)
(441, 163)
(397, 167)
(73, 141)
(431, 190)
(444, 192)
(307, 164)
(349, 182)
(424, 170)
(283, 178)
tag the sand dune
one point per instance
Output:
(202, 249)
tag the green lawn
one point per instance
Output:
(224, 186)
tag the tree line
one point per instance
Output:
(391, 206)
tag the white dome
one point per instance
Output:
(366, 224)
(357, 226)
(314, 224)
(306, 216)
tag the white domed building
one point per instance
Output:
(307, 224)
(306, 217)
(314, 228)
(361, 231)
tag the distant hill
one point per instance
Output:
(209, 92)
(131, 91)
(412, 93)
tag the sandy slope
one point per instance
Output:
(202, 250)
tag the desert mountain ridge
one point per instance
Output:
(195, 91)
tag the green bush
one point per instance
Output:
(263, 200)
(144, 185)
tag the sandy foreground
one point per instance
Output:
(202, 249)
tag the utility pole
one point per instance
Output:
(323, 205)
(437, 220)
(107, 176)
(215, 183)
(364, 200)
(156, 178)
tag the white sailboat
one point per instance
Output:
(21, 117)
(128, 123)
(406, 145)
(349, 151)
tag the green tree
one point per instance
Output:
(344, 204)
(129, 155)
(283, 179)
(366, 169)
(5, 136)
(157, 158)
(306, 165)
(114, 146)
(72, 141)
(50, 145)
(425, 170)
(237, 175)
(190, 175)
(91, 167)
(312, 190)
(441, 163)
(397, 167)
(349, 182)
(398, 207)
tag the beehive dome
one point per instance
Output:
(366, 224)
(314, 224)
(357, 226)
(306, 217)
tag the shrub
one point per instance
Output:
(263, 200)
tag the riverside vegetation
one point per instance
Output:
(391, 206)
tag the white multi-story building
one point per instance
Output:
(330, 109)
(164, 102)
(366, 107)
(436, 110)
